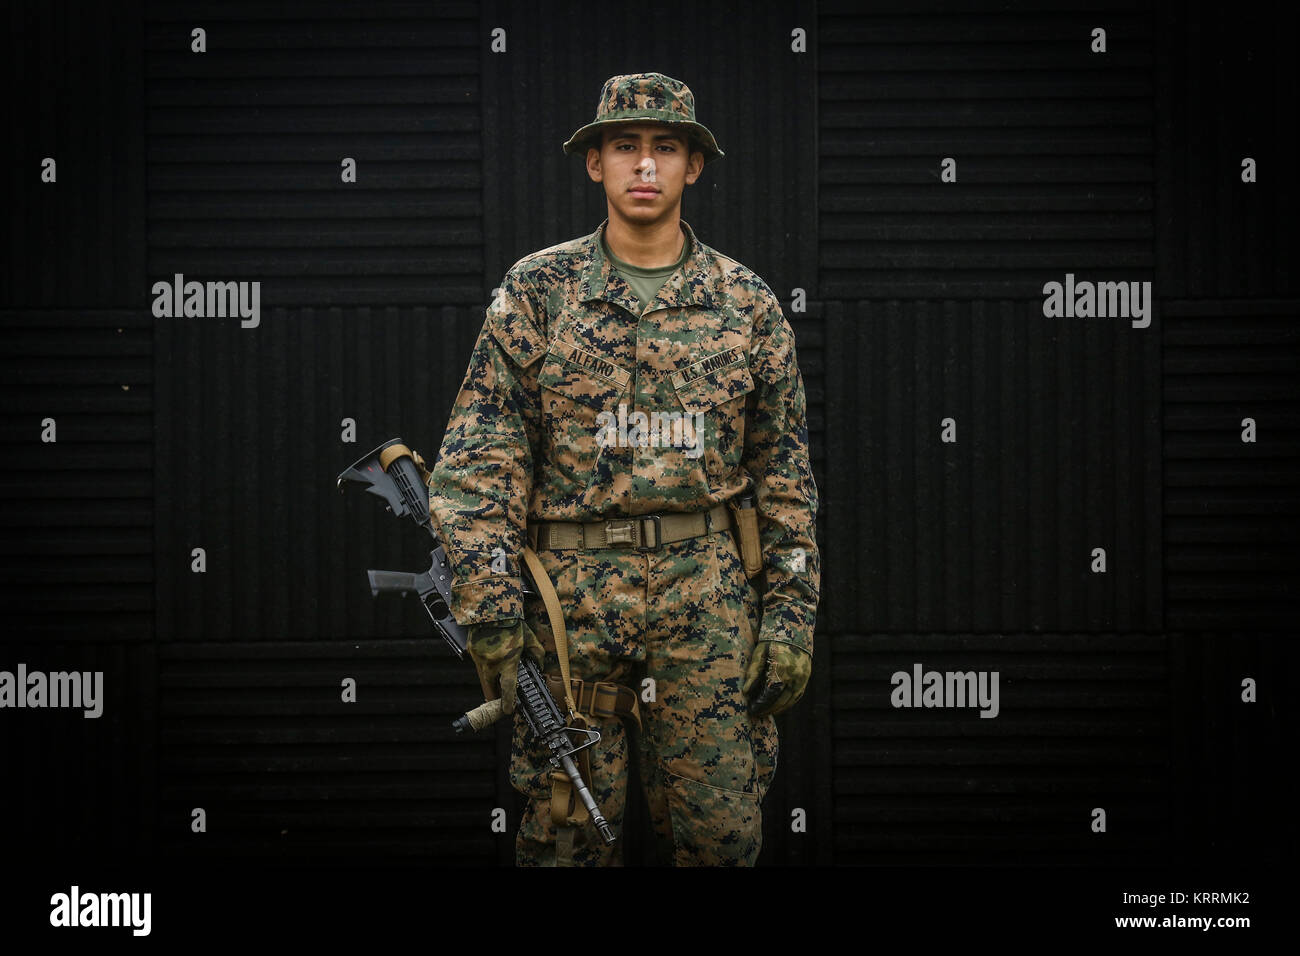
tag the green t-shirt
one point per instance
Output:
(646, 283)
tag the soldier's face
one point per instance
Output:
(644, 169)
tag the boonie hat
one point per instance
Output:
(645, 96)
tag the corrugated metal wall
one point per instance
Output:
(1052, 144)
(76, 74)
(1231, 507)
(246, 143)
(1227, 87)
(1120, 690)
(1225, 252)
(1083, 723)
(1055, 452)
(256, 647)
(77, 512)
(364, 288)
(974, 550)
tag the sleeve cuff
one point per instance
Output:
(496, 598)
(786, 622)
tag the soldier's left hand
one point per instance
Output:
(495, 648)
(784, 671)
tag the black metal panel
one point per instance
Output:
(1056, 454)
(76, 558)
(260, 738)
(81, 789)
(1053, 146)
(1228, 91)
(246, 142)
(1234, 787)
(73, 79)
(1083, 723)
(1232, 507)
(76, 587)
(250, 440)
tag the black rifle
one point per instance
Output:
(399, 483)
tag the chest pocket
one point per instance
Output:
(714, 390)
(579, 392)
(582, 377)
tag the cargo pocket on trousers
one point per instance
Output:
(713, 826)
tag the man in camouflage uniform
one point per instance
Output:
(613, 407)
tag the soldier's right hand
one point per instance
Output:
(495, 647)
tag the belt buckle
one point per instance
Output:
(659, 533)
(620, 532)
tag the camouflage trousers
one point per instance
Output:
(678, 626)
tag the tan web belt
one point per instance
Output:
(640, 532)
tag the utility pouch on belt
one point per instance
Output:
(745, 515)
(599, 698)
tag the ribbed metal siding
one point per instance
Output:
(1056, 454)
(258, 736)
(988, 541)
(76, 515)
(77, 512)
(73, 81)
(249, 443)
(1232, 508)
(1228, 87)
(1053, 146)
(1228, 90)
(81, 789)
(254, 730)
(246, 142)
(1083, 724)
(1235, 793)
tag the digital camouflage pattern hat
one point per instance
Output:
(645, 96)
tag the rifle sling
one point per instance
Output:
(566, 810)
(555, 614)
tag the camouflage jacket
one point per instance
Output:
(537, 432)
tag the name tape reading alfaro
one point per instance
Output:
(593, 364)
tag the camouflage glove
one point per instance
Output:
(495, 648)
(787, 671)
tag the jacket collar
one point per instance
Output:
(689, 285)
